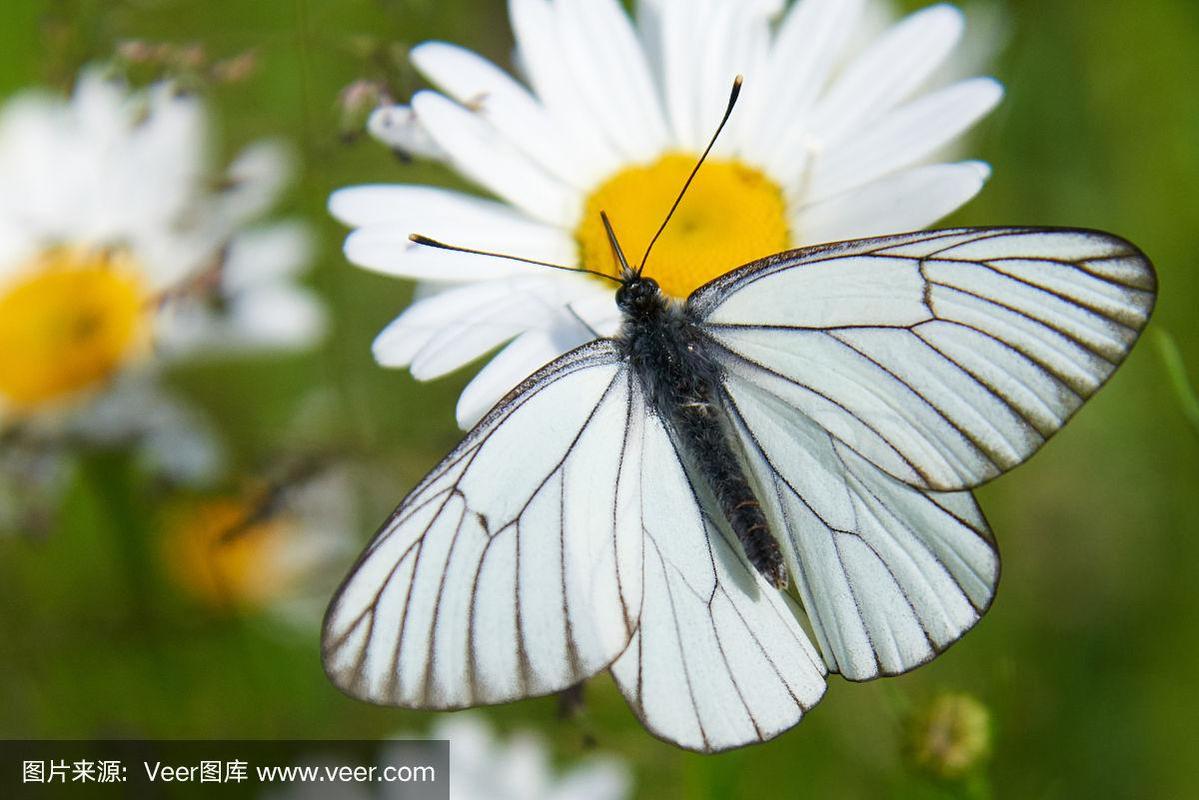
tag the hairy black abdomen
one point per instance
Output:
(681, 382)
(701, 428)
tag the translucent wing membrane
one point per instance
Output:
(944, 358)
(719, 659)
(513, 569)
(889, 575)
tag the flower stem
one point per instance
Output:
(109, 477)
(1176, 369)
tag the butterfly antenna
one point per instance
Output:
(425, 241)
(625, 270)
(728, 112)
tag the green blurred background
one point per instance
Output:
(1088, 661)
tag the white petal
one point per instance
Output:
(906, 201)
(508, 106)
(610, 71)
(537, 39)
(888, 72)
(152, 175)
(649, 34)
(264, 317)
(681, 27)
(903, 137)
(280, 316)
(256, 178)
(460, 342)
(266, 254)
(398, 204)
(699, 47)
(16, 245)
(183, 327)
(114, 167)
(606, 779)
(505, 371)
(704, 44)
(450, 329)
(398, 343)
(738, 43)
(390, 252)
(398, 128)
(387, 214)
(806, 51)
(592, 313)
(755, 67)
(598, 310)
(101, 106)
(476, 152)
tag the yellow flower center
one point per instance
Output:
(68, 322)
(223, 554)
(731, 215)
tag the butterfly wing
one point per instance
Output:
(561, 534)
(944, 358)
(719, 658)
(513, 569)
(889, 575)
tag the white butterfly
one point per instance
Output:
(821, 414)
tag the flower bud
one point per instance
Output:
(951, 736)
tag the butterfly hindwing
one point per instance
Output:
(719, 658)
(889, 575)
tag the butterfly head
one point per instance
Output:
(638, 296)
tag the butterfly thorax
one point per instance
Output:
(670, 357)
(665, 349)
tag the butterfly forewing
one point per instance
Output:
(944, 358)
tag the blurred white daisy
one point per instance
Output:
(121, 250)
(118, 241)
(482, 767)
(832, 139)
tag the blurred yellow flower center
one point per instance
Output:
(224, 555)
(68, 322)
(732, 214)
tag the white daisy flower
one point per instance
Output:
(832, 139)
(117, 241)
(121, 249)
